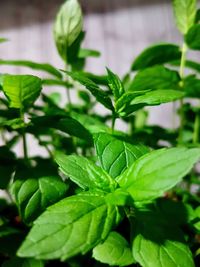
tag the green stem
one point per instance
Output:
(68, 90)
(181, 72)
(113, 123)
(25, 148)
(196, 132)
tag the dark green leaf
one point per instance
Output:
(33, 65)
(33, 195)
(116, 155)
(84, 172)
(185, 13)
(17, 262)
(132, 101)
(52, 82)
(157, 54)
(75, 225)
(114, 251)
(156, 77)
(158, 171)
(192, 86)
(68, 25)
(193, 36)
(21, 90)
(95, 90)
(115, 84)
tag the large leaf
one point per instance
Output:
(17, 262)
(156, 77)
(132, 101)
(68, 25)
(115, 84)
(185, 13)
(157, 54)
(94, 89)
(116, 155)
(157, 245)
(33, 65)
(33, 195)
(75, 225)
(84, 172)
(193, 36)
(114, 251)
(158, 171)
(21, 90)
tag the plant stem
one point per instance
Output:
(181, 72)
(25, 149)
(196, 132)
(67, 67)
(113, 123)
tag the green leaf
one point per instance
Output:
(116, 155)
(156, 77)
(52, 82)
(158, 171)
(84, 172)
(68, 25)
(33, 65)
(33, 195)
(75, 225)
(3, 40)
(17, 262)
(132, 101)
(21, 90)
(193, 36)
(157, 54)
(188, 63)
(192, 86)
(157, 245)
(100, 95)
(185, 13)
(115, 84)
(84, 53)
(114, 251)
(10, 239)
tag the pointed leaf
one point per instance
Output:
(116, 155)
(115, 84)
(75, 225)
(84, 172)
(193, 36)
(158, 171)
(114, 251)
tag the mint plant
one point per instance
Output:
(101, 196)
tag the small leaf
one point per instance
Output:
(33, 65)
(21, 90)
(157, 54)
(52, 82)
(157, 245)
(94, 89)
(193, 36)
(114, 251)
(115, 84)
(158, 171)
(3, 40)
(84, 172)
(33, 195)
(75, 225)
(116, 155)
(185, 13)
(156, 77)
(132, 101)
(84, 53)
(68, 25)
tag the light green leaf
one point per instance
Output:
(116, 155)
(132, 101)
(114, 251)
(185, 13)
(84, 172)
(158, 171)
(52, 82)
(157, 245)
(84, 53)
(94, 89)
(115, 84)
(33, 195)
(21, 90)
(156, 77)
(17, 262)
(157, 54)
(33, 65)
(75, 225)
(68, 25)
(2, 40)
(193, 36)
